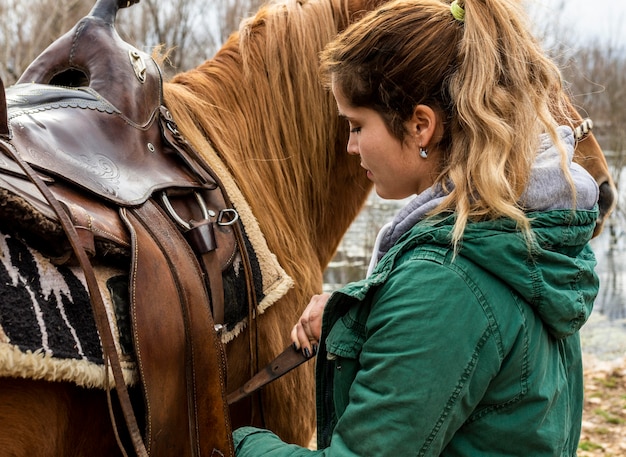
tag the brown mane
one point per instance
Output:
(265, 113)
(259, 105)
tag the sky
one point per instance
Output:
(603, 19)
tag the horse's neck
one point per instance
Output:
(314, 211)
(342, 198)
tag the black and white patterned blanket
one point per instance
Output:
(47, 329)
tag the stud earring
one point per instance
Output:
(423, 152)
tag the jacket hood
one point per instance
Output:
(555, 276)
(555, 272)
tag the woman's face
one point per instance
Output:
(395, 167)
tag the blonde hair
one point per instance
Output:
(488, 76)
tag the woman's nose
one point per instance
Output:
(352, 147)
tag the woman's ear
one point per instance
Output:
(424, 125)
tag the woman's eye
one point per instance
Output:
(355, 129)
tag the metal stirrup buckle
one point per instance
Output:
(206, 213)
(226, 217)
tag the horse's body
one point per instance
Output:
(258, 104)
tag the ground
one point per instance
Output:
(604, 417)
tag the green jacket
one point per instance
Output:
(477, 354)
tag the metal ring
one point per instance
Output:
(232, 211)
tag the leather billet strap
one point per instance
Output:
(289, 359)
(99, 310)
(201, 236)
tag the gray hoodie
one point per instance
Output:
(547, 189)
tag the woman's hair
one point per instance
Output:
(486, 75)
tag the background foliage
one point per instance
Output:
(595, 70)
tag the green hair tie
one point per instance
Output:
(457, 11)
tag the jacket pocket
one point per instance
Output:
(345, 338)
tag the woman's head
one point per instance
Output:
(484, 74)
(396, 166)
(397, 58)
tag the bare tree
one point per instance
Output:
(601, 86)
(191, 30)
(27, 28)
(183, 27)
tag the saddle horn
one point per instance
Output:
(4, 115)
(107, 9)
(92, 54)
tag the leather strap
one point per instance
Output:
(289, 359)
(256, 407)
(99, 310)
(191, 157)
(201, 238)
(213, 272)
(180, 358)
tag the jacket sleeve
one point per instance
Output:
(256, 442)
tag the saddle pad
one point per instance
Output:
(47, 330)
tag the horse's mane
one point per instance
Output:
(260, 105)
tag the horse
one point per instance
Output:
(258, 106)
(586, 155)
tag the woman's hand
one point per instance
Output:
(306, 333)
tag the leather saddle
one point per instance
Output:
(94, 167)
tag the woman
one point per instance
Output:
(463, 340)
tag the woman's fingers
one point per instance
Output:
(306, 333)
(311, 319)
(301, 340)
